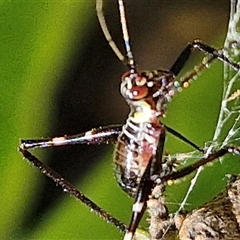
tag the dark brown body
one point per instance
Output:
(138, 144)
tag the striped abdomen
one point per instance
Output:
(136, 146)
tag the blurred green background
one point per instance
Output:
(59, 76)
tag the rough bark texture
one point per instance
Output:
(218, 219)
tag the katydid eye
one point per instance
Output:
(138, 92)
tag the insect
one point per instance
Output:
(139, 163)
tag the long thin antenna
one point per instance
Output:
(102, 22)
(126, 39)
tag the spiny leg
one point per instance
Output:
(191, 168)
(101, 135)
(192, 75)
(208, 50)
(67, 187)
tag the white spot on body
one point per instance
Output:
(58, 140)
(186, 84)
(150, 84)
(89, 133)
(128, 236)
(23, 146)
(129, 83)
(145, 113)
(137, 207)
(141, 81)
(171, 92)
(150, 139)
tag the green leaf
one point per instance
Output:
(37, 39)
